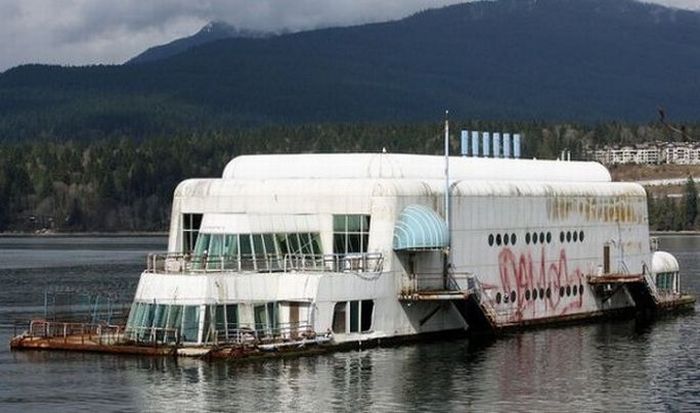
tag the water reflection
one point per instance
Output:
(623, 365)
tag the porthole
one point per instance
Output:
(527, 295)
(549, 237)
(512, 296)
(549, 292)
(527, 238)
(568, 290)
(490, 240)
(498, 239)
(574, 291)
(513, 239)
(498, 298)
(534, 238)
(568, 236)
(541, 237)
(580, 236)
(580, 289)
(506, 239)
(561, 291)
(575, 236)
(561, 236)
(534, 294)
(541, 293)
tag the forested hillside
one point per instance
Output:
(120, 184)
(583, 60)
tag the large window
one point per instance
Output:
(350, 233)
(665, 281)
(190, 230)
(258, 252)
(266, 320)
(163, 322)
(359, 319)
(221, 322)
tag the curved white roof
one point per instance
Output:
(662, 261)
(393, 166)
(369, 187)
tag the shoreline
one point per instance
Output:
(119, 234)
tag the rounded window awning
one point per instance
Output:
(420, 228)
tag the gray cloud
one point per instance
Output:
(107, 31)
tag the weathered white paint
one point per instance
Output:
(491, 199)
(402, 166)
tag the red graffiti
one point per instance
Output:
(524, 274)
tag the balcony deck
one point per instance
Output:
(176, 263)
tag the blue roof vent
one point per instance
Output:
(420, 228)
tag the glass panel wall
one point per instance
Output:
(220, 323)
(253, 252)
(266, 319)
(163, 323)
(190, 323)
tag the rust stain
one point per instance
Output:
(622, 209)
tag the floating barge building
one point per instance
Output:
(295, 252)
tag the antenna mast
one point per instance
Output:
(447, 177)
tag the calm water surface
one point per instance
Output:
(612, 366)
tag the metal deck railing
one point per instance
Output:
(436, 282)
(65, 331)
(176, 263)
(258, 333)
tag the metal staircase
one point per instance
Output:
(474, 306)
(640, 287)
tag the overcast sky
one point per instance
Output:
(111, 31)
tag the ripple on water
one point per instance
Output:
(613, 366)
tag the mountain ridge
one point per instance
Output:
(212, 31)
(583, 60)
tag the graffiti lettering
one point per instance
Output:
(522, 273)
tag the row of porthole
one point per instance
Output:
(571, 235)
(505, 239)
(571, 290)
(533, 238)
(541, 293)
(542, 238)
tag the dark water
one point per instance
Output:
(612, 366)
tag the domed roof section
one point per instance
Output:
(662, 261)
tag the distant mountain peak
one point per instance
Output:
(215, 26)
(212, 31)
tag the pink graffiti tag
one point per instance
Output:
(521, 273)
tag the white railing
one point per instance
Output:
(176, 263)
(97, 333)
(434, 282)
(259, 333)
(152, 335)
